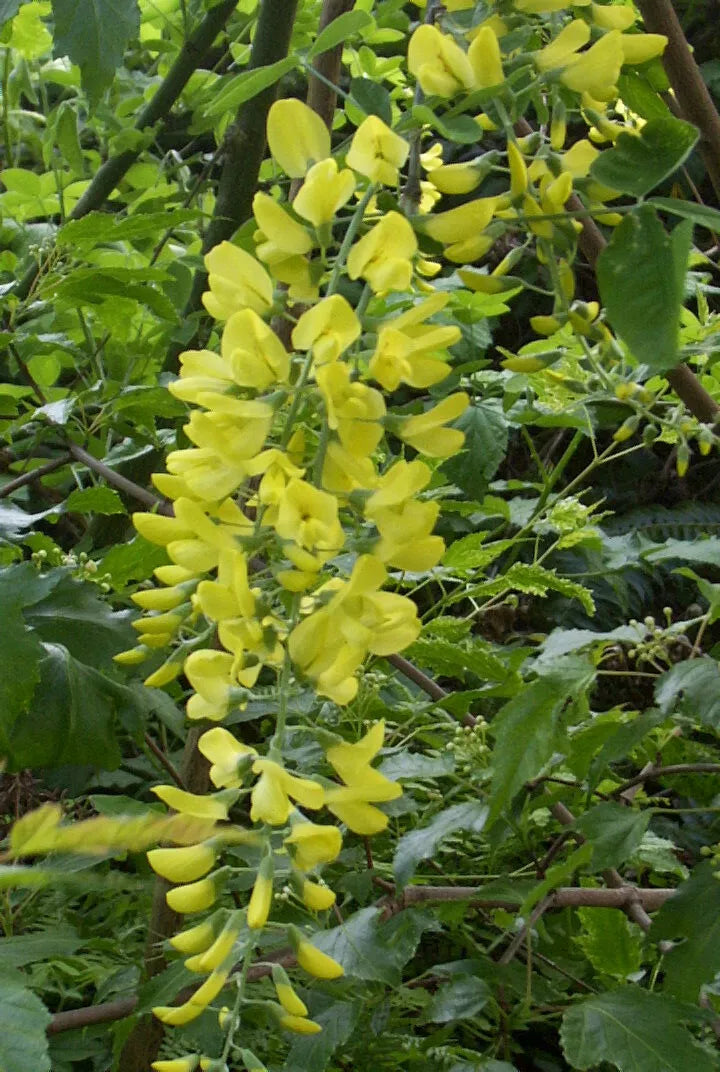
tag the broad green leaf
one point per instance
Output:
(369, 948)
(609, 942)
(311, 1054)
(691, 688)
(68, 139)
(8, 10)
(632, 1030)
(16, 877)
(614, 830)
(98, 500)
(406, 765)
(687, 210)
(372, 98)
(421, 843)
(95, 286)
(339, 30)
(637, 93)
(647, 315)
(692, 914)
(243, 87)
(133, 561)
(459, 128)
(460, 999)
(486, 438)
(637, 163)
(564, 641)
(93, 34)
(17, 951)
(100, 227)
(23, 1021)
(20, 655)
(527, 729)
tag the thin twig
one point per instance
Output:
(164, 761)
(34, 474)
(121, 482)
(673, 768)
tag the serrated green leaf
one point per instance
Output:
(312, 1054)
(459, 999)
(608, 942)
(473, 553)
(100, 227)
(693, 915)
(614, 830)
(527, 729)
(639, 162)
(94, 34)
(421, 843)
(634, 1031)
(98, 500)
(538, 581)
(369, 948)
(132, 561)
(486, 438)
(22, 949)
(647, 315)
(691, 688)
(339, 30)
(457, 660)
(23, 1022)
(407, 765)
(72, 614)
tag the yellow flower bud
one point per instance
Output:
(485, 59)
(300, 1025)
(518, 171)
(194, 897)
(682, 459)
(132, 657)
(166, 673)
(261, 898)
(177, 1064)
(287, 997)
(184, 864)
(316, 963)
(627, 429)
(195, 939)
(545, 325)
(317, 898)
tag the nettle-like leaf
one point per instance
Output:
(421, 843)
(371, 949)
(23, 1022)
(538, 581)
(634, 1031)
(609, 942)
(692, 918)
(94, 35)
(691, 688)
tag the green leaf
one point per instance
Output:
(133, 561)
(608, 942)
(647, 315)
(615, 832)
(93, 34)
(371, 949)
(473, 552)
(459, 128)
(632, 1030)
(24, 949)
(687, 210)
(311, 1054)
(459, 999)
(486, 439)
(637, 93)
(692, 914)
(372, 98)
(406, 765)
(339, 30)
(100, 227)
(691, 688)
(527, 729)
(639, 162)
(68, 139)
(456, 660)
(98, 500)
(23, 1022)
(8, 10)
(421, 843)
(243, 87)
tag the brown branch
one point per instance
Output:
(117, 480)
(690, 90)
(34, 474)
(672, 768)
(164, 761)
(320, 96)
(421, 679)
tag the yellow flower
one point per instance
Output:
(485, 59)
(324, 192)
(425, 433)
(237, 281)
(596, 71)
(344, 472)
(314, 962)
(401, 482)
(612, 16)
(377, 152)
(196, 939)
(316, 897)
(327, 328)
(457, 178)
(350, 805)
(177, 1064)
(228, 756)
(314, 844)
(274, 789)
(194, 897)
(260, 902)
(440, 66)
(281, 233)
(182, 865)
(382, 256)
(300, 1025)
(287, 997)
(201, 370)
(354, 410)
(309, 518)
(253, 352)
(561, 50)
(297, 136)
(639, 48)
(405, 536)
(456, 224)
(195, 804)
(217, 953)
(212, 676)
(183, 1014)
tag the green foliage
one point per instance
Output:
(23, 1019)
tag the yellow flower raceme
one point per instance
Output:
(274, 789)
(425, 431)
(297, 136)
(324, 191)
(377, 152)
(237, 281)
(327, 328)
(383, 256)
(228, 756)
(354, 410)
(439, 64)
(313, 844)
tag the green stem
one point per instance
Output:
(235, 1018)
(6, 111)
(348, 240)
